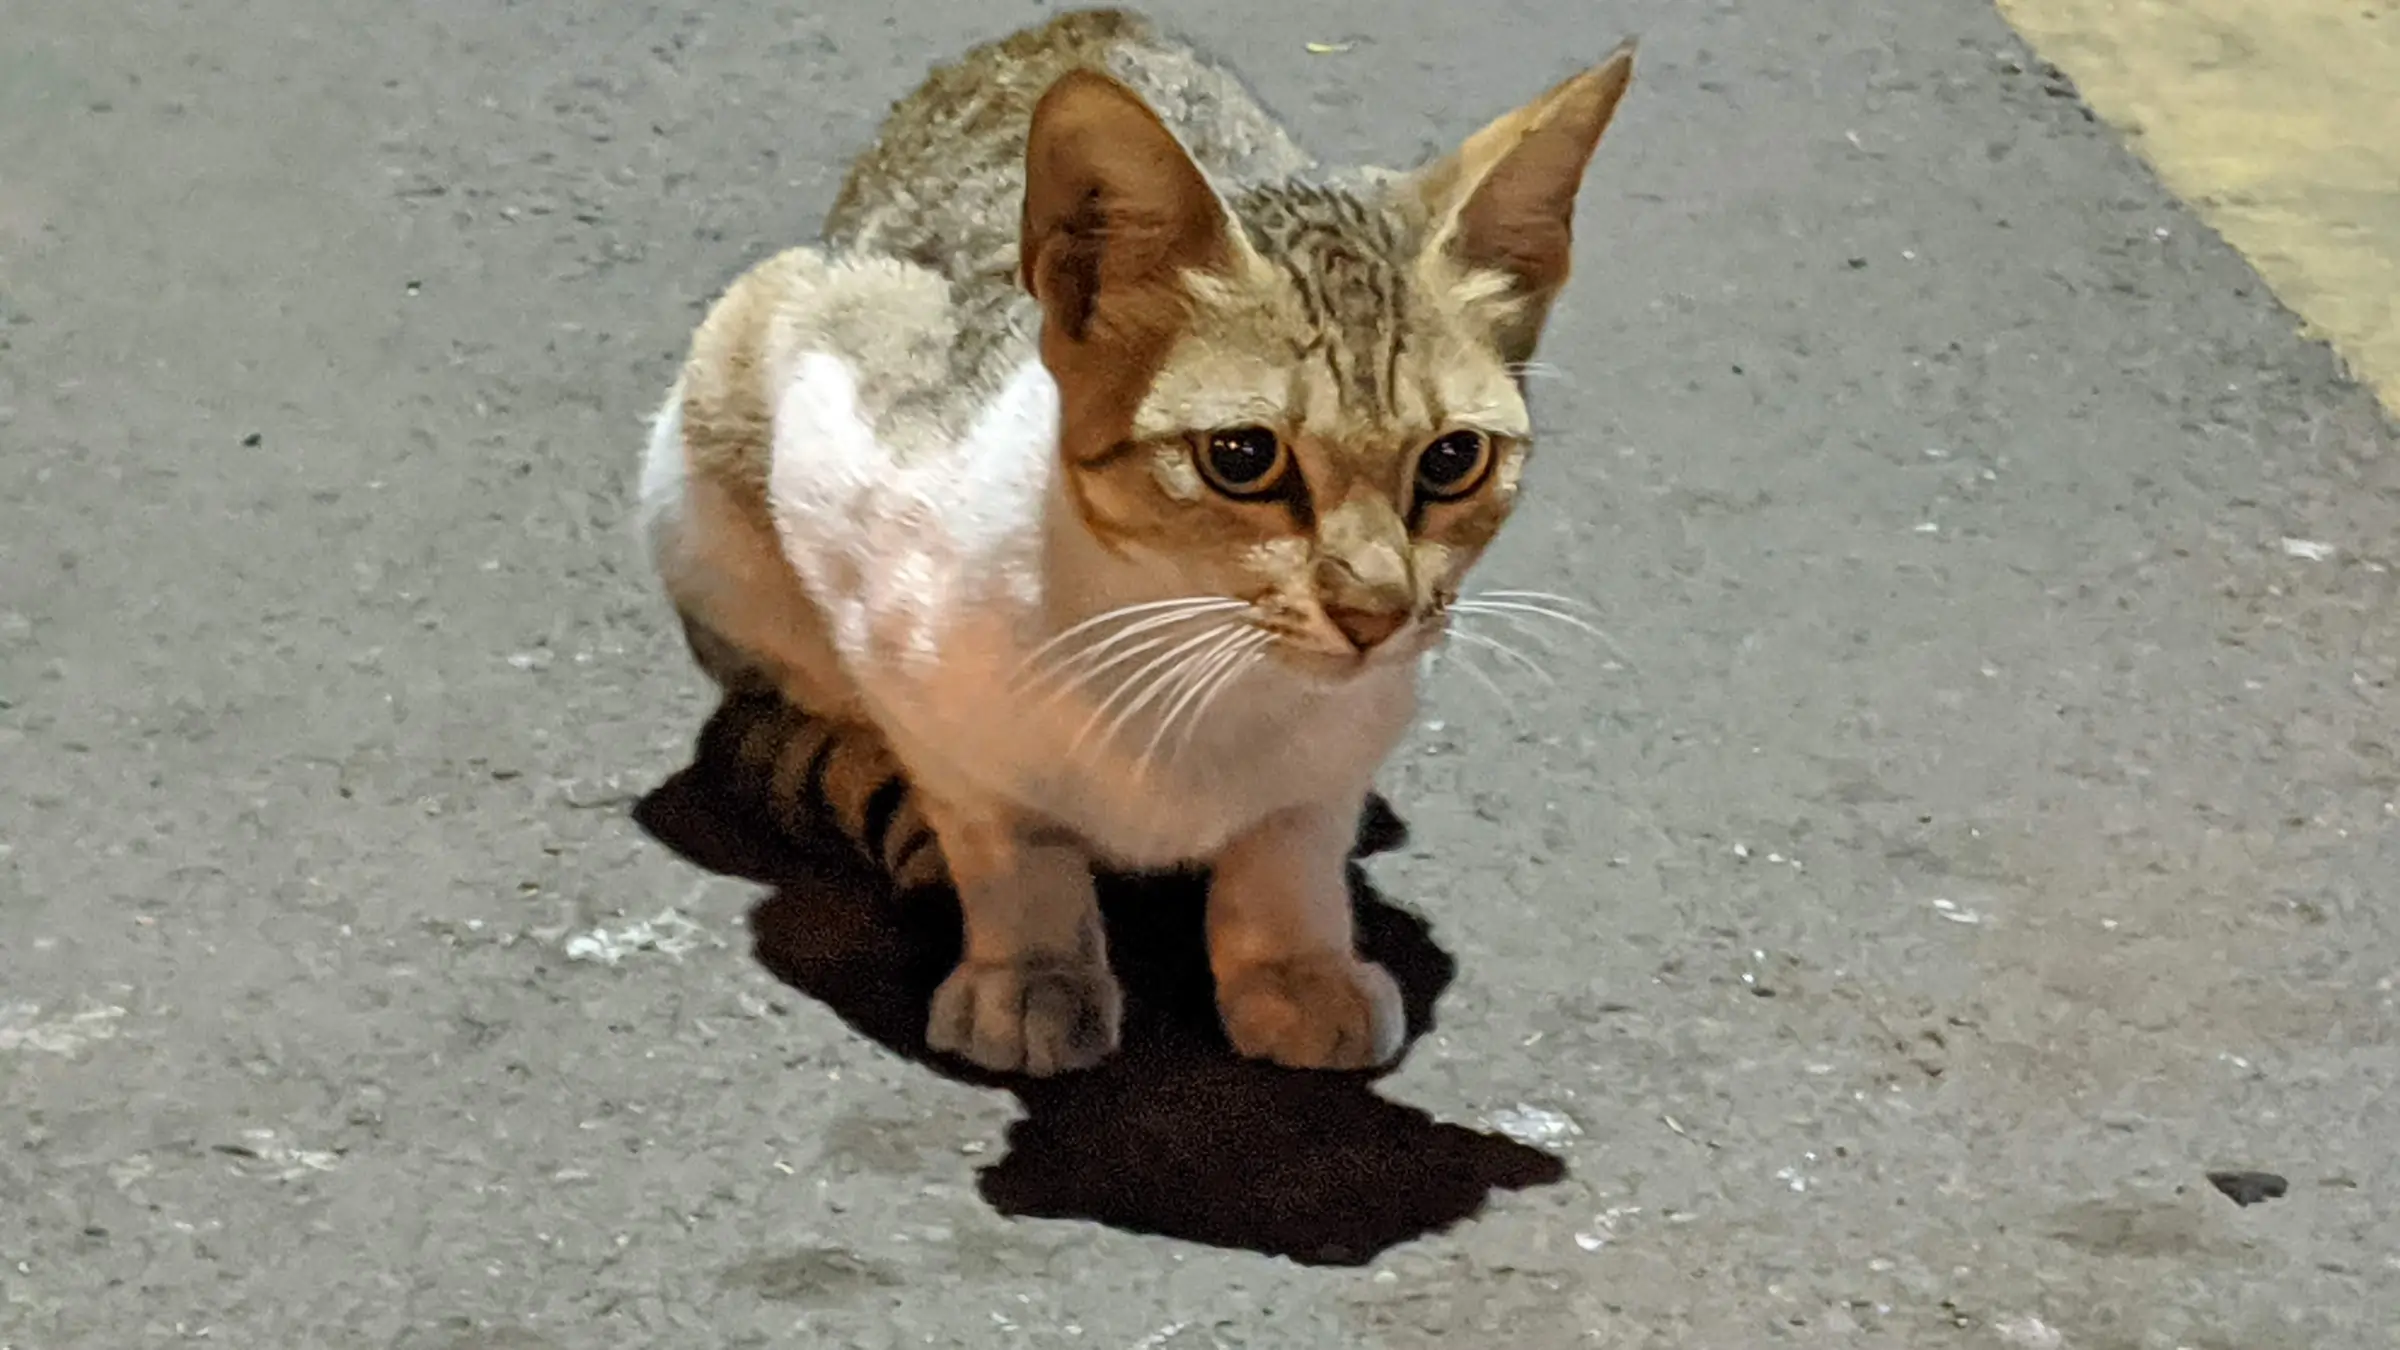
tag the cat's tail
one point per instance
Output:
(807, 773)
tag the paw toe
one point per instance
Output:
(1315, 1013)
(1037, 1016)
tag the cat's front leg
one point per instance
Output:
(1033, 991)
(1290, 986)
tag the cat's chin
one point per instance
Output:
(1324, 670)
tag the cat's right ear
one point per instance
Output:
(1115, 213)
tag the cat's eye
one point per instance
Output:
(1243, 461)
(1453, 464)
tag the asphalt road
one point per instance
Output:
(1980, 828)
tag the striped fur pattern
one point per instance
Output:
(804, 773)
(1090, 497)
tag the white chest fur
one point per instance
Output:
(937, 577)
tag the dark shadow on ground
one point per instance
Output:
(1175, 1135)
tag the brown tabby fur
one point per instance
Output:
(1094, 192)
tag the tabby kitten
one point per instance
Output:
(1090, 497)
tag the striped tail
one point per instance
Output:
(805, 772)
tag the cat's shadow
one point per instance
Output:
(1175, 1135)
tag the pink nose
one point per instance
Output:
(1366, 627)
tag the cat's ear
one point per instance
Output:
(1115, 212)
(1505, 200)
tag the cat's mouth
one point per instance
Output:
(1325, 663)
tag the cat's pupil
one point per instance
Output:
(1243, 456)
(1450, 461)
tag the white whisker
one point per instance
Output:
(1516, 623)
(1519, 612)
(1146, 680)
(1083, 658)
(1503, 608)
(1081, 679)
(1231, 675)
(1201, 673)
(1078, 668)
(1546, 597)
(1194, 657)
(1175, 686)
(1177, 608)
(1504, 649)
(1460, 658)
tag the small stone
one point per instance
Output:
(2249, 1188)
(2031, 1333)
(1535, 1125)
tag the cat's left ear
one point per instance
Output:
(1505, 200)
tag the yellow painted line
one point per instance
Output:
(2279, 122)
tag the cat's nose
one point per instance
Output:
(1366, 627)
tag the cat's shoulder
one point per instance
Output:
(889, 320)
(916, 357)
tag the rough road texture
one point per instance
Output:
(1982, 831)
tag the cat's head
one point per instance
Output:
(1305, 397)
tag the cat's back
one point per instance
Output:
(944, 181)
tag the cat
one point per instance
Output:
(1090, 496)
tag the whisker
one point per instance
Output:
(1518, 612)
(1181, 606)
(1082, 679)
(1517, 622)
(1047, 661)
(1547, 597)
(1101, 646)
(1177, 685)
(1202, 673)
(1231, 676)
(1460, 657)
(1082, 659)
(1504, 649)
(1178, 669)
(1145, 607)
(1131, 682)
(1499, 607)
(1146, 680)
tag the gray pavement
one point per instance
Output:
(1983, 829)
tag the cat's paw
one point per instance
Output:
(1042, 1015)
(1328, 1011)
